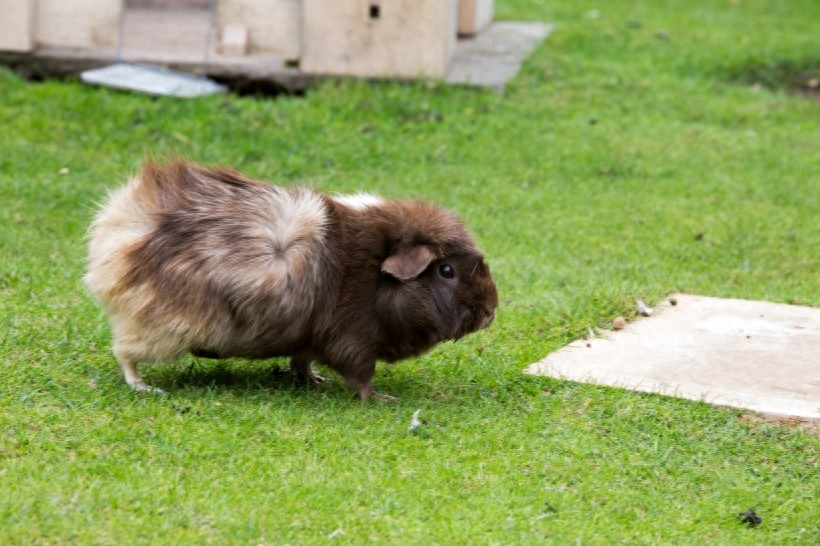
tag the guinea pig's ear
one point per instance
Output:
(408, 263)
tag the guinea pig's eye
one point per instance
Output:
(446, 271)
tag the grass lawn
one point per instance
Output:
(646, 147)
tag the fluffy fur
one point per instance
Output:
(187, 259)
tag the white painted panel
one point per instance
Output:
(378, 38)
(16, 25)
(474, 16)
(274, 26)
(77, 23)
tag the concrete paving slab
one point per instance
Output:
(747, 354)
(494, 56)
(152, 80)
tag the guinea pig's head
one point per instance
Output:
(435, 285)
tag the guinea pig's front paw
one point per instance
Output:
(305, 372)
(384, 398)
(314, 378)
(310, 378)
(364, 388)
(367, 392)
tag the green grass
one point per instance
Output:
(632, 157)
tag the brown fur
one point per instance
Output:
(187, 259)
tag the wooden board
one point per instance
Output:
(17, 25)
(474, 16)
(77, 23)
(384, 38)
(273, 26)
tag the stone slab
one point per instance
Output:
(495, 56)
(151, 80)
(748, 354)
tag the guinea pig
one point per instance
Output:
(187, 259)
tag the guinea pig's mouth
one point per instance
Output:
(472, 322)
(487, 320)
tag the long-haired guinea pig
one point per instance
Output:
(186, 259)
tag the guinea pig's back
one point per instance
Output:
(210, 260)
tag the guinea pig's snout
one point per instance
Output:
(488, 319)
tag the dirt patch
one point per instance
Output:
(810, 90)
(798, 77)
(761, 420)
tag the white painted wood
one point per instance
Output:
(474, 16)
(273, 25)
(234, 42)
(77, 23)
(17, 25)
(378, 38)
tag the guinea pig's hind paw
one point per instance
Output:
(314, 378)
(310, 377)
(142, 387)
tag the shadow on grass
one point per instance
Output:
(801, 77)
(262, 377)
(251, 377)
